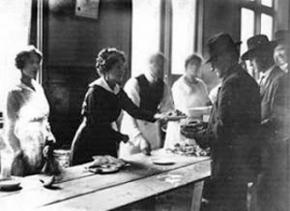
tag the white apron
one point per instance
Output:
(27, 127)
(136, 128)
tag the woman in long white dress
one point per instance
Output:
(27, 128)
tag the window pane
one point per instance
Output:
(268, 3)
(145, 32)
(14, 24)
(183, 33)
(267, 25)
(247, 27)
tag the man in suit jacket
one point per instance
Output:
(260, 53)
(232, 126)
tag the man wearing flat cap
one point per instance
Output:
(231, 131)
(260, 53)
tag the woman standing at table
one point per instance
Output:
(102, 106)
(26, 127)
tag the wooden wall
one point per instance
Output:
(72, 44)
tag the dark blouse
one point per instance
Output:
(95, 135)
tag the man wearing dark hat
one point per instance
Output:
(260, 53)
(273, 186)
(232, 126)
(282, 97)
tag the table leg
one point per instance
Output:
(197, 195)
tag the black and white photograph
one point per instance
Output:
(144, 105)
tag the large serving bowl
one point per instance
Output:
(198, 112)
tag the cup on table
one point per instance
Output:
(6, 158)
(62, 156)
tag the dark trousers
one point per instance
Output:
(227, 195)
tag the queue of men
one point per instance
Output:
(247, 131)
(248, 127)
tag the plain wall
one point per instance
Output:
(72, 44)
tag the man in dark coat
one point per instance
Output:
(260, 53)
(232, 127)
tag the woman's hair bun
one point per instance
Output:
(107, 57)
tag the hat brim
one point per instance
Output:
(236, 44)
(250, 53)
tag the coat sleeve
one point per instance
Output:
(222, 119)
(227, 113)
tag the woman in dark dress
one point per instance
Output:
(102, 106)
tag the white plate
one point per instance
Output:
(175, 118)
(163, 161)
(9, 184)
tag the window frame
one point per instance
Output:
(258, 9)
(166, 33)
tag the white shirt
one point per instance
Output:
(139, 129)
(264, 76)
(187, 95)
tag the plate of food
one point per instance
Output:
(106, 164)
(175, 115)
(108, 169)
(9, 184)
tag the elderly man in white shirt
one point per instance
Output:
(149, 92)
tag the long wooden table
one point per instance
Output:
(82, 190)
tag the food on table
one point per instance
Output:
(106, 164)
(189, 150)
